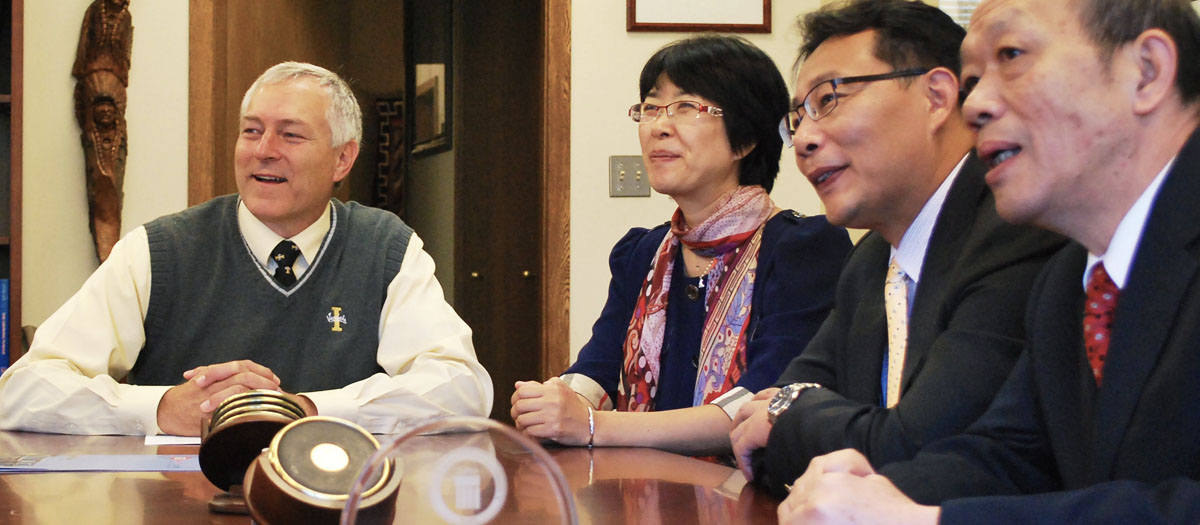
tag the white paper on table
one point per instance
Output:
(167, 439)
(100, 463)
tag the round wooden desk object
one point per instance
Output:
(308, 471)
(257, 398)
(242, 426)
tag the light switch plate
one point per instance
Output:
(627, 177)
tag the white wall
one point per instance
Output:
(429, 209)
(605, 64)
(57, 247)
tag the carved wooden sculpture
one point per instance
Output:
(101, 72)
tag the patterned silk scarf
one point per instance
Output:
(732, 235)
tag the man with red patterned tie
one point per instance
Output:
(1087, 112)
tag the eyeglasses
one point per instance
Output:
(645, 113)
(823, 98)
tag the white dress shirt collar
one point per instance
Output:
(1123, 246)
(911, 252)
(261, 240)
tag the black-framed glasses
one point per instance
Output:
(645, 112)
(823, 98)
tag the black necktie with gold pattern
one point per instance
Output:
(284, 255)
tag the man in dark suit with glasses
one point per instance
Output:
(927, 316)
(1088, 115)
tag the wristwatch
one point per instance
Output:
(783, 399)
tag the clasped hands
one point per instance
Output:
(839, 487)
(204, 388)
(551, 411)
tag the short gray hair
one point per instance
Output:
(344, 114)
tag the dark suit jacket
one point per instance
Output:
(965, 333)
(1125, 453)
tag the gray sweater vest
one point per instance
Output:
(212, 302)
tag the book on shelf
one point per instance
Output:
(4, 353)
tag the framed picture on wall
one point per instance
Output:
(429, 107)
(726, 16)
(959, 10)
(430, 85)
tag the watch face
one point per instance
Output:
(782, 399)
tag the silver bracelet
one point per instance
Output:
(591, 466)
(591, 427)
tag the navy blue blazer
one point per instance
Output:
(798, 265)
(1128, 452)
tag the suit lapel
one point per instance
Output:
(1161, 270)
(866, 341)
(954, 222)
(1064, 378)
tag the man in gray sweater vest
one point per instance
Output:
(279, 287)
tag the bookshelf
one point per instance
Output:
(11, 52)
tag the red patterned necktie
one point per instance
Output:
(1098, 318)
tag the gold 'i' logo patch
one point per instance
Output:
(336, 318)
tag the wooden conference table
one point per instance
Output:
(609, 486)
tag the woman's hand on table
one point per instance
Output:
(551, 411)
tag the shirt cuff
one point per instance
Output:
(333, 403)
(732, 400)
(589, 389)
(733, 485)
(140, 403)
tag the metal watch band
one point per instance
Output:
(780, 404)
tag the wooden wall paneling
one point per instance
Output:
(261, 34)
(556, 188)
(231, 44)
(206, 50)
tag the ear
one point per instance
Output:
(346, 155)
(941, 95)
(1157, 61)
(741, 153)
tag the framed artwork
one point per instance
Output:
(430, 129)
(959, 10)
(726, 16)
(390, 155)
(430, 59)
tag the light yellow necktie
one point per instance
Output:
(895, 299)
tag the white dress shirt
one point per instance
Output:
(67, 383)
(1123, 246)
(910, 254)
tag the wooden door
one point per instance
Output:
(505, 215)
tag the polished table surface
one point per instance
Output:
(617, 485)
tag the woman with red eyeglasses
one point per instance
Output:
(707, 309)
